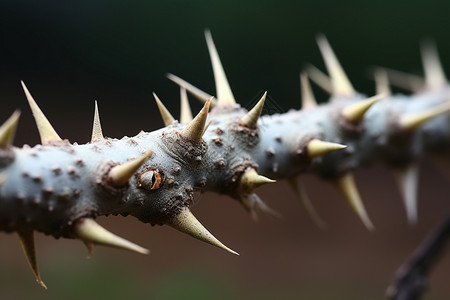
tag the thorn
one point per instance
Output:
(411, 121)
(404, 80)
(165, 114)
(27, 241)
(339, 80)
(250, 180)
(206, 127)
(346, 185)
(195, 129)
(186, 114)
(407, 180)
(320, 78)
(303, 198)
(382, 82)
(318, 148)
(186, 222)
(252, 202)
(197, 93)
(356, 111)
(224, 94)
(46, 131)
(308, 99)
(434, 74)
(8, 130)
(90, 231)
(250, 120)
(119, 175)
(97, 134)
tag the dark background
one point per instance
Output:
(118, 52)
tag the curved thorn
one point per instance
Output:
(407, 180)
(339, 80)
(186, 114)
(46, 131)
(404, 80)
(97, 134)
(195, 129)
(251, 118)
(303, 198)
(434, 74)
(119, 175)
(318, 148)
(252, 201)
(356, 111)
(308, 99)
(346, 185)
(319, 78)
(413, 120)
(165, 114)
(186, 222)
(382, 82)
(197, 93)
(8, 129)
(27, 242)
(90, 231)
(224, 94)
(250, 180)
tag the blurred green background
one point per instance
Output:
(70, 53)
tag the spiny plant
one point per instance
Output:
(59, 188)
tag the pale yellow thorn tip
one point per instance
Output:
(434, 73)
(382, 82)
(318, 148)
(165, 114)
(186, 222)
(224, 94)
(195, 129)
(407, 180)
(27, 241)
(186, 114)
(250, 180)
(90, 231)
(302, 196)
(8, 129)
(119, 175)
(346, 185)
(355, 112)
(413, 120)
(196, 92)
(320, 78)
(251, 118)
(339, 80)
(308, 99)
(97, 134)
(46, 131)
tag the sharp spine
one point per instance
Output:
(186, 222)
(197, 93)
(121, 174)
(303, 198)
(346, 185)
(320, 78)
(382, 82)
(250, 180)
(195, 129)
(27, 242)
(404, 80)
(318, 148)
(186, 114)
(168, 119)
(411, 121)
(339, 80)
(250, 120)
(8, 129)
(308, 99)
(224, 93)
(434, 74)
(407, 180)
(46, 131)
(355, 112)
(97, 134)
(91, 232)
